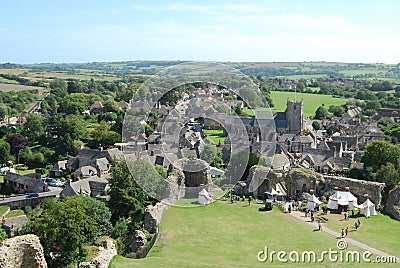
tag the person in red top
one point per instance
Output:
(347, 231)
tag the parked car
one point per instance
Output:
(30, 195)
(59, 183)
(52, 183)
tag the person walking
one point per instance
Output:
(347, 231)
(356, 225)
(319, 225)
(342, 233)
(250, 200)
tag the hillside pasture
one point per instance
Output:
(310, 101)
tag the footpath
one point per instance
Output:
(299, 216)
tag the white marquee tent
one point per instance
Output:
(312, 202)
(367, 208)
(340, 198)
(204, 198)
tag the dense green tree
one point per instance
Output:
(17, 142)
(58, 83)
(316, 124)
(251, 98)
(337, 110)
(379, 153)
(127, 197)
(4, 111)
(4, 151)
(76, 87)
(34, 127)
(110, 106)
(389, 175)
(65, 228)
(104, 137)
(321, 113)
(211, 155)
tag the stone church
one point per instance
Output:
(292, 120)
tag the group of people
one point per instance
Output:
(345, 232)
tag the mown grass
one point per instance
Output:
(231, 235)
(378, 231)
(310, 101)
(216, 136)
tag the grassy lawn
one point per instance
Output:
(311, 101)
(231, 235)
(215, 136)
(3, 209)
(15, 213)
(378, 231)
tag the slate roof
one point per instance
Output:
(278, 161)
(24, 180)
(280, 120)
(84, 187)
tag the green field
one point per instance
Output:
(231, 235)
(377, 231)
(311, 101)
(216, 136)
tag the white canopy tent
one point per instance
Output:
(204, 198)
(312, 202)
(367, 208)
(340, 198)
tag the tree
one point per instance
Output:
(321, 113)
(4, 111)
(127, 197)
(316, 124)
(34, 127)
(301, 86)
(65, 228)
(337, 110)
(17, 142)
(379, 153)
(110, 106)
(103, 137)
(211, 155)
(389, 175)
(4, 151)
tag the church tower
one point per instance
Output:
(294, 116)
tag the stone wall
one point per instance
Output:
(22, 251)
(105, 252)
(393, 203)
(299, 180)
(153, 216)
(358, 187)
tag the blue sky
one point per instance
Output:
(264, 30)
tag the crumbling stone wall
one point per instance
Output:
(22, 251)
(105, 252)
(358, 187)
(393, 203)
(300, 180)
(153, 216)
